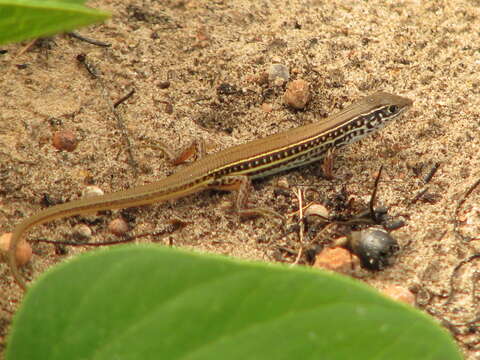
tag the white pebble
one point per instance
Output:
(91, 191)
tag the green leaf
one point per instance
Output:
(147, 302)
(25, 19)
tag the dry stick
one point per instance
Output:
(120, 123)
(457, 267)
(426, 180)
(78, 244)
(120, 126)
(25, 48)
(361, 218)
(431, 173)
(457, 210)
(299, 196)
(20, 53)
(309, 66)
(373, 198)
(124, 98)
(113, 242)
(419, 195)
(88, 40)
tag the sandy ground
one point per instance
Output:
(428, 51)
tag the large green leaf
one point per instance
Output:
(154, 303)
(24, 19)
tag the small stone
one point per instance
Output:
(278, 71)
(202, 38)
(318, 211)
(297, 94)
(82, 232)
(65, 140)
(23, 253)
(164, 84)
(399, 293)
(118, 227)
(91, 191)
(168, 108)
(267, 107)
(336, 259)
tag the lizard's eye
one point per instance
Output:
(393, 109)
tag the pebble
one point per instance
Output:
(278, 71)
(317, 211)
(82, 232)
(65, 140)
(164, 84)
(91, 191)
(336, 259)
(168, 108)
(23, 253)
(297, 94)
(118, 227)
(399, 293)
(266, 107)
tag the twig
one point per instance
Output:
(121, 127)
(457, 210)
(431, 173)
(419, 195)
(124, 98)
(457, 267)
(113, 242)
(373, 198)
(26, 48)
(299, 196)
(88, 40)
